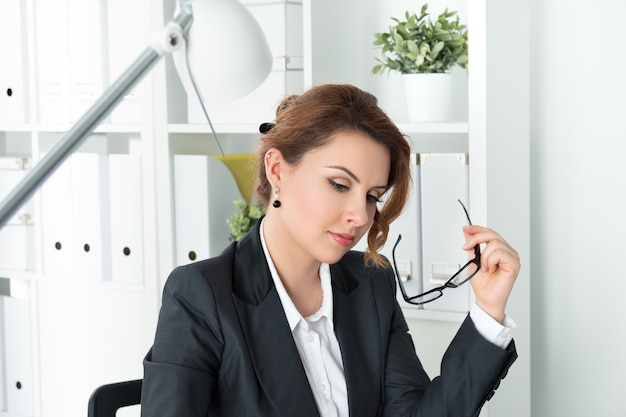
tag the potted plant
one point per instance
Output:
(245, 216)
(424, 51)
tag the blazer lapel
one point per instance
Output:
(357, 330)
(269, 340)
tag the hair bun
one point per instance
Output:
(266, 127)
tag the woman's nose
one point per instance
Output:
(357, 212)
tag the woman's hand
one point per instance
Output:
(499, 267)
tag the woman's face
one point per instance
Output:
(329, 198)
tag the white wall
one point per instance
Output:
(578, 207)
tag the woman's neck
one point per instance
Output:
(297, 270)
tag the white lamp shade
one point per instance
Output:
(228, 54)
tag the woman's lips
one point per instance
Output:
(343, 239)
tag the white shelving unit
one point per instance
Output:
(86, 333)
(82, 332)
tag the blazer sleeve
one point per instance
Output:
(181, 368)
(471, 370)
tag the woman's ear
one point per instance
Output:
(274, 164)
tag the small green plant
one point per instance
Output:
(243, 218)
(420, 45)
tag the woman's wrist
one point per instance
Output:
(497, 314)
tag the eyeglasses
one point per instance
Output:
(459, 278)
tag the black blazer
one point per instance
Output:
(223, 347)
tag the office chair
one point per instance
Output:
(107, 399)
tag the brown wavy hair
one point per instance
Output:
(310, 120)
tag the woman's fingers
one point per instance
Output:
(490, 242)
(500, 265)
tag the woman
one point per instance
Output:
(289, 322)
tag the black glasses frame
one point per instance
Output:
(448, 284)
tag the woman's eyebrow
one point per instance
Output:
(347, 171)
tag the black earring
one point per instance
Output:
(276, 202)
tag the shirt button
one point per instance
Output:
(504, 335)
(310, 337)
(322, 387)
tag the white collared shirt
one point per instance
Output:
(319, 349)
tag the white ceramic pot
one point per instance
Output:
(428, 96)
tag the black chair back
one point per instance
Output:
(107, 399)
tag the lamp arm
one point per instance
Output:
(166, 41)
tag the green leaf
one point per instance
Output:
(397, 38)
(437, 48)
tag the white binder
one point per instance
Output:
(87, 45)
(17, 237)
(204, 191)
(56, 222)
(90, 197)
(281, 23)
(12, 171)
(124, 46)
(409, 249)
(17, 247)
(444, 180)
(14, 53)
(126, 218)
(17, 356)
(52, 37)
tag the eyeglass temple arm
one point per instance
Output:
(395, 268)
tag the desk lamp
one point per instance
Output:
(220, 52)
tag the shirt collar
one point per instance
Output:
(293, 315)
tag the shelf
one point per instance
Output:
(7, 414)
(33, 276)
(86, 283)
(121, 128)
(19, 128)
(64, 127)
(19, 275)
(247, 128)
(250, 128)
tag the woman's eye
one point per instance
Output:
(373, 199)
(337, 186)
